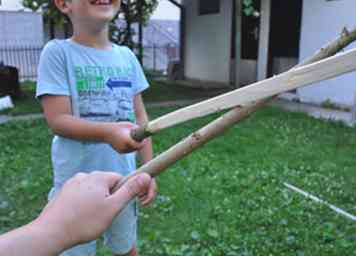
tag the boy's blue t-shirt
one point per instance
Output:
(102, 85)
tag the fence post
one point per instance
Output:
(353, 118)
(154, 56)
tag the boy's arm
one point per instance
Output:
(146, 153)
(57, 110)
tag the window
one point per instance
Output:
(209, 7)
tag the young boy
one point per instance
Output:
(90, 92)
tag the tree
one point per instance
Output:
(51, 15)
(132, 11)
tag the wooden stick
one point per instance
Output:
(217, 127)
(310, 71)
(195, 140)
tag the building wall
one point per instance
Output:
(11, 5)
(208, 43)
(21, 28)
(21, 41)
(166, 11)
(322, 22)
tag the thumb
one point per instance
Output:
(129, 190)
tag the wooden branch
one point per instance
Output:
(220, 125)
(298, 77)
(198, 139)
(346, 38)
(194, 141)
(310, 71)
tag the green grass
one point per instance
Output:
(170, 91)
(157, 92)
(27, 104)
(225, 199)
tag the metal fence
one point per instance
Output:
(158, 57)
(25, 58)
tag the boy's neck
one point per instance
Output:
(92, 38)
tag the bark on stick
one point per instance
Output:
(232, 117)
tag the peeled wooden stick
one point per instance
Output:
(313, 70)
(218, 126)
(195, 140)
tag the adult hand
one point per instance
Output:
(119, 137)
(148, 196)
(85, 207)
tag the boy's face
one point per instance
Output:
(89, 10)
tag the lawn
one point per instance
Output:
(227, 198)
(158, 92)
(26, 104)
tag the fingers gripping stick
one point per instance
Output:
(140, 133)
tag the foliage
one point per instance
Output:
(27, 103)
(48, 8)
(227, 198)
(129, 13)
(330, 105)
(249, 8)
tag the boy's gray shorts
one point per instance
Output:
(120, 237)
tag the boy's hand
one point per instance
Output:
(118, 136)
(150, 195)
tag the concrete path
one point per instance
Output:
(314, 111)
(179, 103)
(6, 118)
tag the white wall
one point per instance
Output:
(11, 5)
(322, 22)
(166, 11)
(21, 28)
(207, 55)
(248, 71)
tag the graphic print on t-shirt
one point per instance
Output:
(105, 93)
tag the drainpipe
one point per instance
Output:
(181, 35)
(140, 33)
(263, 49)
(237, 34)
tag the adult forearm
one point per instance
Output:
(31, 240)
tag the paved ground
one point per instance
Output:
(315, 111)
(180, 103)
(5, 118)
(311, 110)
